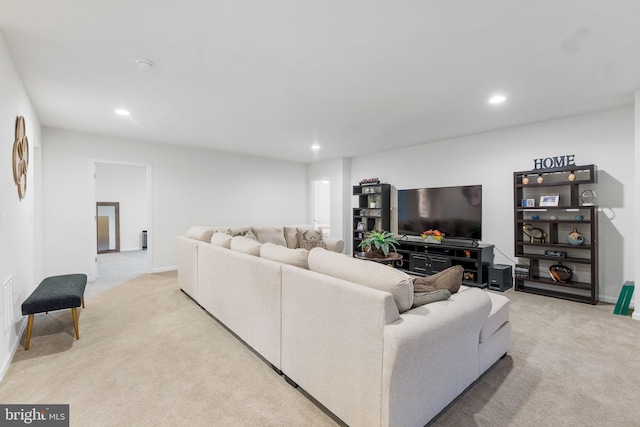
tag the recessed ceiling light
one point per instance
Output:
(122, 112)
(315, 147)
(497, 99)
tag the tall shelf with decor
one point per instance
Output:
(556, 233)
(372, 211)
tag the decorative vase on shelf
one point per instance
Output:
(575, 238)
(560, 273)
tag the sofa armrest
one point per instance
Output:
(188, 265)
(333, 244)
(431, 356)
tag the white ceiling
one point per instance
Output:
(272, 77)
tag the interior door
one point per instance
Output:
(108, 226)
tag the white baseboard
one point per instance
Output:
(612, 300)
(7, 360)
(164, 269)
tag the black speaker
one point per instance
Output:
(500, 277)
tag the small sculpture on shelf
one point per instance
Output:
(575, 238)
(560, 273)
(534, 233)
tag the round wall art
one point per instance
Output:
(20, 157)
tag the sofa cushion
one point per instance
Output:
(221, 239)
(366, 273)
(309, 239)
(291, 234)
(267, 234)
(450, 279)
(296, 257)
(248, 246)
(499, 316)
(200, 232)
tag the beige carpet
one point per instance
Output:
(149, 356)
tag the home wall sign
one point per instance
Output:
(20, 157)
(554, 162)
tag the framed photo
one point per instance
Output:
(360, 226)
(549, 200)
(528, 203)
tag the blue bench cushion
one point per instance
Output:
(56, 293)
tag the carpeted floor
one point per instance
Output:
(149, 356)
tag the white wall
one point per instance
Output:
(189, 187)
(18, 242)
(636, 234)
(127, 185)
(605, 139)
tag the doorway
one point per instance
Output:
(322, 206)
(108, 226)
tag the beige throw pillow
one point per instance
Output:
(248, 246)
(200, 232)
(269, 234)
(221, 239)
(296, 257)
(309, 239)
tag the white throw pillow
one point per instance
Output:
(295, 257)
(248, 246)
(221, 239)
(200, 232)
(366, 273)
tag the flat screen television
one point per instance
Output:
(455, 211)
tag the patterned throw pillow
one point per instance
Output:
(244, 233)
(309, 239)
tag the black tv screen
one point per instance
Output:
(455, 211)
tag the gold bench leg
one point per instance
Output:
(82, 301)
(29, 329)
(74, 312)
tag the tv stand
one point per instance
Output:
(422, 259)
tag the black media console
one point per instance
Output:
(422, 259)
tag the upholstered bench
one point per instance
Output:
(55, 293)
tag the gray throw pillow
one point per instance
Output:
(422, 298)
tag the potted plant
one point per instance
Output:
(373, 199)
(378, 243)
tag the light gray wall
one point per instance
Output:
(636, 231)
(189, 187)
(604, 138)
(18, 218)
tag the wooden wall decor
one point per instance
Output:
(21, 157)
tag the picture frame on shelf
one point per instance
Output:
(549, 200)
(360, 226)
(528, 203)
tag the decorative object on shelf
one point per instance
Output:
(525, 180)
(549, 200)
(378, 243)
(540, 179)
(432, 236)
(360, 226)
(373, 201)
(369, 181)
(535, 217)
(554, 217)
(528, 203)
(579, 217)
(555, 254)
(534, 233)
(522, 270)
(588, 198)
(575, 238)
(20, 157)
(572, 176)
(560, 273)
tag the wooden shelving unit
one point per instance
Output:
(373, 216)
(555, 223)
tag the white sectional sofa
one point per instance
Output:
(344, 329)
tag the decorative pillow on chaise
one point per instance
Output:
(309, 239)
(449, 279)
(422, 298)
